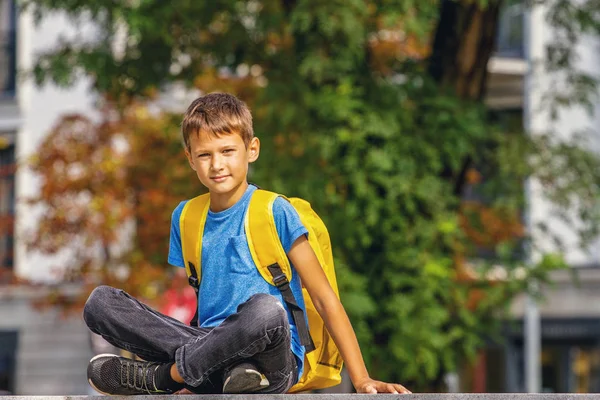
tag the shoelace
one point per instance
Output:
(134, 375)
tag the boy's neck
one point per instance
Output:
(223, 201)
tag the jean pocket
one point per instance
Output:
(282, 381)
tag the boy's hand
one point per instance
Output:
(373, 386)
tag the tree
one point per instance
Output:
(372, 110)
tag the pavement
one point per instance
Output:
(445, 396)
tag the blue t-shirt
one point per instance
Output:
(229, 275)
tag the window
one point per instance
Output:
(7, 210)
(510, 31)
(8, 350)
(8, 65)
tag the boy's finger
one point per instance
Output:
(401, 389)
(370, 389)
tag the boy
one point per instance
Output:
(246, 342)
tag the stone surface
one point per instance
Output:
(445, 396)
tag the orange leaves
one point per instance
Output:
(108, 188)
(486, 226)
(245, 83)
(389, 45)
(81, 190)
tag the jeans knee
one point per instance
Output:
(268, 307)
(97, 303)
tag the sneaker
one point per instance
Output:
(113, 375)
(244, 378)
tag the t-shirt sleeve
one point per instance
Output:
(287, 221)
(175, 251)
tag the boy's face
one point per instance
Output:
(221, 163)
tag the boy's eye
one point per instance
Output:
(203, 155)
(228, 150)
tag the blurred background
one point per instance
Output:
(452, 148)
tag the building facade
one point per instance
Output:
(41, 351)
(570, 311)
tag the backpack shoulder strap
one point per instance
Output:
(262, 236)
(191, 228)
(270, 258)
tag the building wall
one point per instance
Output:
(52, 351)
(569, 121)
(569, 313)
(40, 109)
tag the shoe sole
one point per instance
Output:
(90, 381)
(245, 381)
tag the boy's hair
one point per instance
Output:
(217, 114)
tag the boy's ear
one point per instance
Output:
(189, 158)
(253, 149)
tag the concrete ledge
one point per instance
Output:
(445, 396)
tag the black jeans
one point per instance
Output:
(259, 332)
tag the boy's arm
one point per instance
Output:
(336, 320)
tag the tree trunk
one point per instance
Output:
(463, 44)
(464, 41)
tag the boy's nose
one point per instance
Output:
(216, 164)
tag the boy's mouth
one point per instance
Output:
(219, 178)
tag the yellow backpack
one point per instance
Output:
(322, 366)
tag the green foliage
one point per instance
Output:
(348, 119)
(393, 217)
